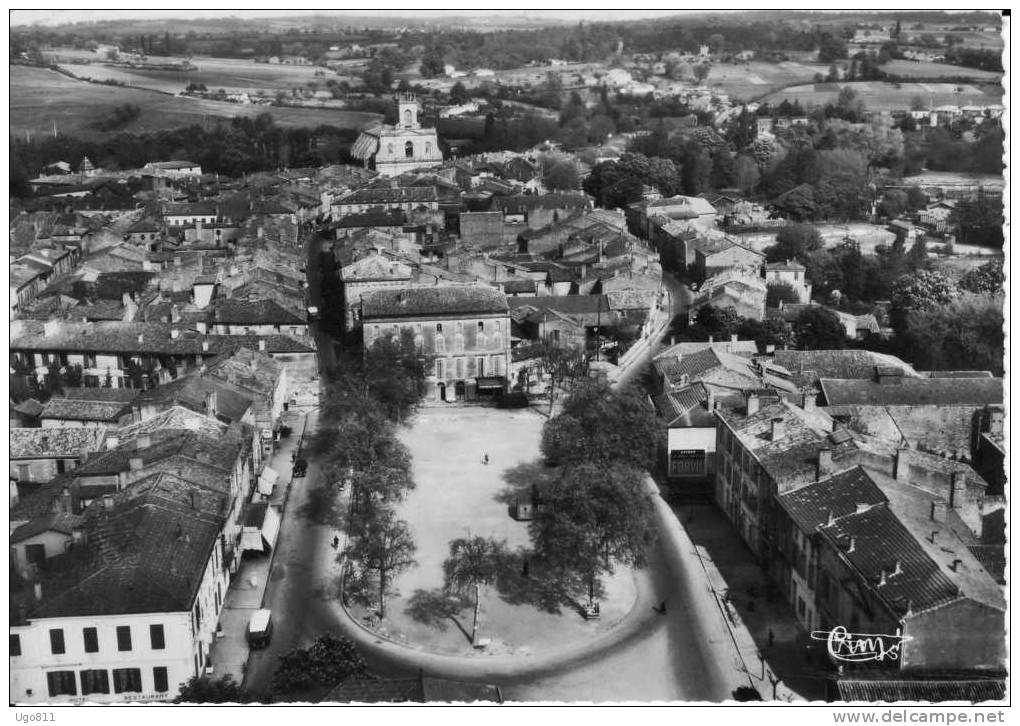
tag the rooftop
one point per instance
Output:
(70, 409)
(459, 300)
(913, 391)
(54, 442)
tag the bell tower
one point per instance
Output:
(408, 109)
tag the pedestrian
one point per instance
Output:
(485, 459)
(662, 608)
(772, 637)
(336, 542)
(526, 566)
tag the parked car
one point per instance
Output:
(260, 629)
(300, 467)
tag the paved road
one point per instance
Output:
(679, 300)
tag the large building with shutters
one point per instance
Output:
(464, 331)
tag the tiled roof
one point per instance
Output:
(738, 347)
(788, 265)
(459, 300)
(810, 365)
(220, 451)
(526, 202)
(913, 391)
(119, 337)
(233, 311)
(55, 521)
(70, 409)
(373, 218)
(518, 286)
(566, 304)
(925, 691)
(174, 419)
(880, 541)
(191, 390)
(29, 407)
(837, 496)
(390, 195)
(146, 554)
(54, 442)
(631, 299)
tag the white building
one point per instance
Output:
(129, 611)
(793, 274)
(404, 146)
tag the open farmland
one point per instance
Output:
(214, 73)
(40, 97)
(750, 81)
(878, 96)
(924, 69)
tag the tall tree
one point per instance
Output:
(594, 516)
(327, 662)
(383, 545)
(474, 563)
(819, 329)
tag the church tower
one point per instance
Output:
(408, 109)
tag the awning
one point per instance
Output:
(268, 480)
(261, 526)
(490, 382)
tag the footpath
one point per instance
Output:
(229, 651)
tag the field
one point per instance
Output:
(750, 81)
(214, 73)
(879, 96)
(924, 69)
(40, 97)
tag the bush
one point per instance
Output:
(781, 292)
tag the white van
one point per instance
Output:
(260, 629)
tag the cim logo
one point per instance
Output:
(861, 647)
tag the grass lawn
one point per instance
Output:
(924, 69)
(459, 496)
(39, 97)
(748, 81)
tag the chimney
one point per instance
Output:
(902, 464)
(202, 327)
(175, 333)
(141, 338)
(778, 429)
(933, 536)
(177, 260)
(995, 420)
(957, 564)
(753, 404)
(897, 569)
(65, 500)
(710, 339)
(260, 232)
(824, 463)
(853, 544)
(107, 501)
(830, 518)
(77, 535)
(938, 511)
(862, 507)
(881, 577)
(205, 346)
(733, 338)
(135, 463)
(112, 442)
(192, 499)
(143, 442)
(210, 404)
(958, 492)
(122, 480)
(808, 400)
(710, 400)
(175, 314)
(262, 346)
(83, 454)
(37, 590)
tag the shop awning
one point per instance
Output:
(490, 382)
(268, 480)
(261, 525)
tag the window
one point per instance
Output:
(123, 637)
(35, 554)
(57, 641)
(156, 637)
(460, 368)
(439, 327)
(479, 366)
(61, 683)
(440, 369)
(409, 149)
(407, 117)
(14, 645)
(458, 343)
(91, 638)
(389, 149)
(440, 343)
(159, 679)
(127, 680)
(481, 325)
(95, 681)
(428, 148)
(198, 616)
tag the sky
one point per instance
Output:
(59, 17)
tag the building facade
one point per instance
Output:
(463, 331)
(404, 146)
